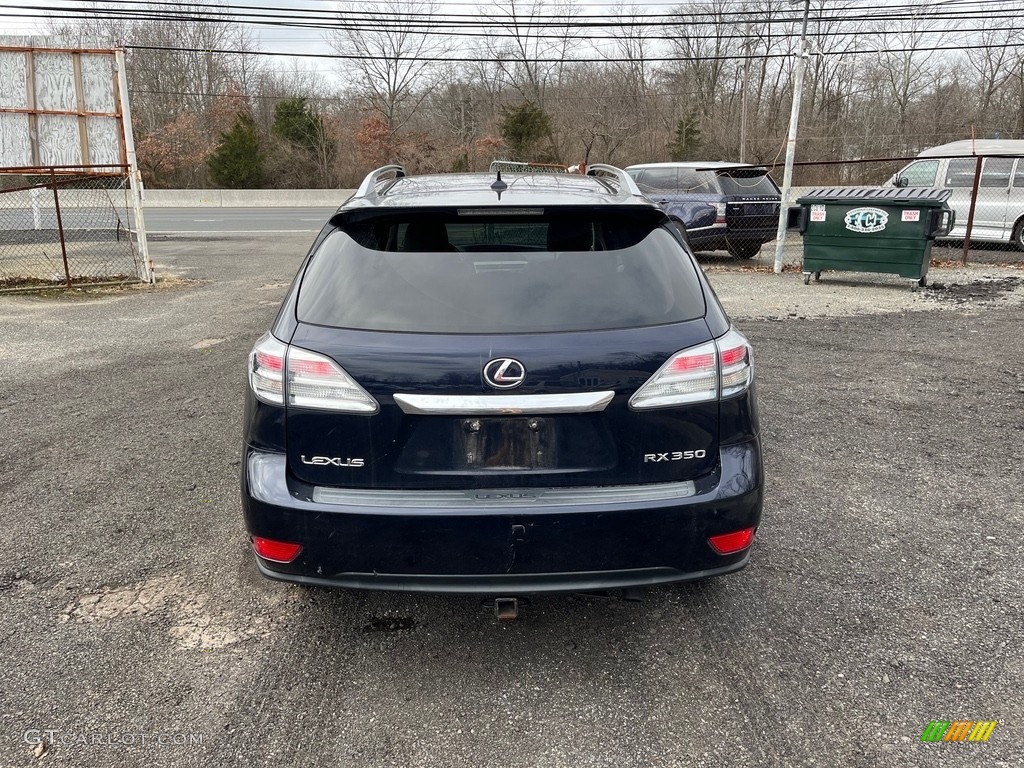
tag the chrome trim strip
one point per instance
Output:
(504, 497)
(503, 405)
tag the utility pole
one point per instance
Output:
(743, 95)
(794, 118)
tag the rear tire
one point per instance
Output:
(744, 250)
(1018, 235)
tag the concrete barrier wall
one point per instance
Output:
(204, 198)
(245, 198)
(272, 198)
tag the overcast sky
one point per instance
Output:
(16, 19)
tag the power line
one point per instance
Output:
(490, 59)
(170, 11)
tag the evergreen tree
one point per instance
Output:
(523, 128)
(688, 140)
(297, 123)
(238, 161)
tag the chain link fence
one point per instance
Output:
(66, 230)
(986, 195)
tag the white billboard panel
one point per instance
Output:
(60, 108)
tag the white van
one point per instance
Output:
(999, 213)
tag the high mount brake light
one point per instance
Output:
(701, 374)
(279, 373)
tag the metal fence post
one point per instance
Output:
(34, 194)
(60, 227)
(134, 174)
(970, 212)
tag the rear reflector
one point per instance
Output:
(730, 543)
(276, 551)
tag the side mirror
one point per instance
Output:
(900, 181)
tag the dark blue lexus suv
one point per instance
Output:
(500, 386)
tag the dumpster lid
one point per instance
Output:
(897, 195)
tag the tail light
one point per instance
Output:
(734, 357)
(279, 374)
(266, 369)
(315, 381)
(720, 214)
(718, 369)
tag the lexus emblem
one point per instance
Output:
(504, 373)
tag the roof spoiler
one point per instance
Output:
(369, 186)
(627, 187)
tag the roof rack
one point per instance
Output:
(369, 186)
(513, 166)
(627, 187)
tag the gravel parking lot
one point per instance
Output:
(884, 590)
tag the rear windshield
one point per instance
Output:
(476, 274)
(747, 181)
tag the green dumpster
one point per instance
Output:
(886, 229)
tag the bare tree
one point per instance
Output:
(993, 65)
(707, 48)
(456, 104)
(532, 45)
(907, 65)
(600, 119)
(175, 61)
(631, 50)
(393, 45)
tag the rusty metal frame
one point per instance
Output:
(127, 168)
(65, 170)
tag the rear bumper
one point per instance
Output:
(507, 584)
(503, 542)
(718, 238)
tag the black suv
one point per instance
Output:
(730, 207)
(500, 386)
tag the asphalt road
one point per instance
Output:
(163, 221)
(884, 590)
(160, 221)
